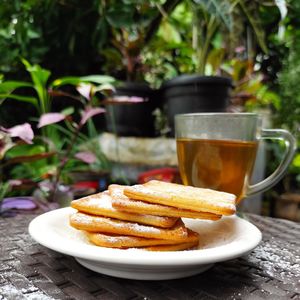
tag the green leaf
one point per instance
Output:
(104, 87)
(24, 149)
(220, 9)
(4, 188)
(7, 87)
(27, 99)
(256, 25)
(32, 34)
(99, 79)
(41, 168)
(120, 21)
(31, 160)
(121, 15)
(169, 33)
(39, 75)
(5, 33)
(215, 59)
(65, 80)
(68, 111)
(296, 161)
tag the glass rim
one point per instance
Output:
(220, 114)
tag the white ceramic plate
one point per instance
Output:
(222, 240)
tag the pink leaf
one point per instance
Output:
(128, 99)
(240, 49)
(50, 118)
(24, 132)
(86, 156)
(85, 90)
(20, 203)
(135, 99)
(15, 182)
(90, 112)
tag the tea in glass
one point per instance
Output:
(217, 164)
(218, 151)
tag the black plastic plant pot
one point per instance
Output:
(194, 93)
(132, 119)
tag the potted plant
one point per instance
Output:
(57, 150)
(133, 26)
(130, 113)
(195, 93)
(212, 35)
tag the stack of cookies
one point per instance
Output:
(148, 216)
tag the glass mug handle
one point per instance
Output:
(271, 180)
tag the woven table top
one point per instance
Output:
(31, 271)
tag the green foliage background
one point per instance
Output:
(63, 36)
(157, 40)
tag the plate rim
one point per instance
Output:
(127, 257)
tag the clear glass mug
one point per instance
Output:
(218, 151)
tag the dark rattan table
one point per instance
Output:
(30, 271)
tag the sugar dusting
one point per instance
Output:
(117, 191)
(277, 261)
(214, 199)
(102, 200)
(213, 234)
(10, 292)
(139, 228)
(209, 193)
(117, 239)
(92, 221)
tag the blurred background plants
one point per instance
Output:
(56, 150)
(256, 43)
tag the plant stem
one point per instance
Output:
(203, 52)
(168, 7)
(65, 160)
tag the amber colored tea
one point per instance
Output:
(217, 164)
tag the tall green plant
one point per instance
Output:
(132, 25)
(227, 17)
(39, 86)
(39, 93)
(190, 35)
(58, 150)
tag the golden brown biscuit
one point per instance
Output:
(122, 202)
(93, 223)
(101, 204)
(117, 191)
(176, 247)
(185, 197)
(122, 241)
